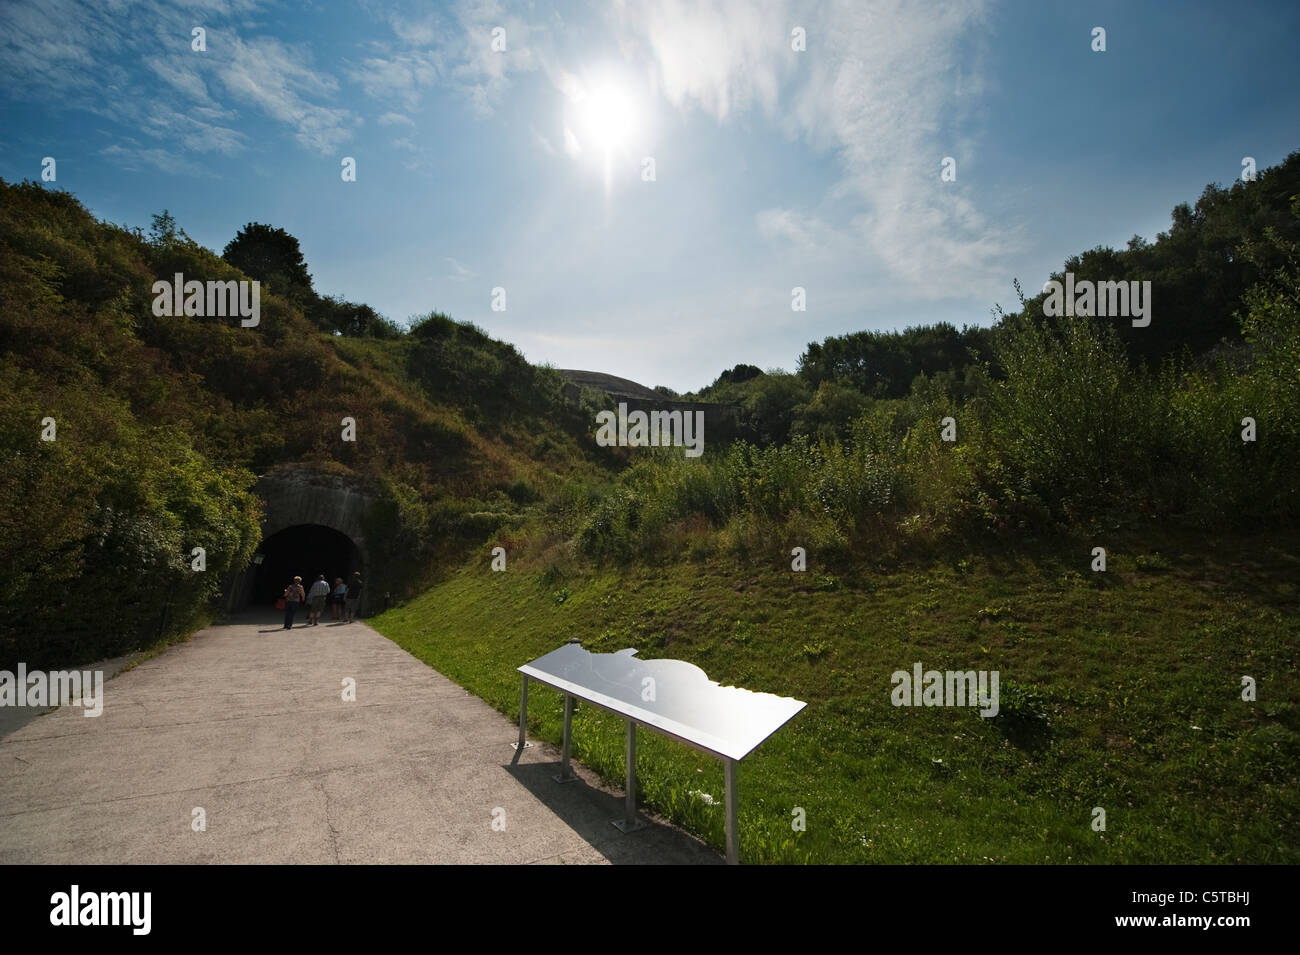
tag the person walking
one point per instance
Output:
(319, 591)
(354, 595)
(338, 597)
(293, 598)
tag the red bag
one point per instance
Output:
(279, 604)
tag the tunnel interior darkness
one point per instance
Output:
(305, 551)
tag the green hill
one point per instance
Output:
(1119, 690)
(161, 422)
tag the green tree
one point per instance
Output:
(272, 256)
(164, 233)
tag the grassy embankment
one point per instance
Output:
(1120, 690)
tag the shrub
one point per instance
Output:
(1071, 420)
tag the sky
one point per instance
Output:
(794, 145)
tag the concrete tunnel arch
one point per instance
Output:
(314, 523)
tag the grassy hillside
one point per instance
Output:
(129, 438)
(1120, 690)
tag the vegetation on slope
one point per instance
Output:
(161, 423)
(1119, 690)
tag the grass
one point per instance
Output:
(1120, 690)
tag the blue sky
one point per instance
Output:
(774, 168)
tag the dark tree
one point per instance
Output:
(737, 375)
(272, 256)
(164, 233)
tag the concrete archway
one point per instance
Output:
(304, 550)
(315, 523)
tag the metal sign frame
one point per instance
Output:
(731, 721)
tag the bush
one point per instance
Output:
(1071, 422)
(97, 528)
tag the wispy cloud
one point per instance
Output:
(792, 226)
(192, 129)
(887, 95)
(882, 86)
(459, 273)
(276, 79)
(58, 46)
(484, 73)
(455, 48)
(572, 147)
(543, 142)
(134, 157)
(723, 57)
(400, 78)
(83, 56)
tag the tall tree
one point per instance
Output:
(273, 257)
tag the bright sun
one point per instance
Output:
(607, 117)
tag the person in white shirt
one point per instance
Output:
(316, 598)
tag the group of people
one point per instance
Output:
(343, 599)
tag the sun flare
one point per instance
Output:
(607, 117)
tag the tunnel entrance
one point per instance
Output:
(304, 550)
(315, 523)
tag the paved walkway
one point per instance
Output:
(247, 722)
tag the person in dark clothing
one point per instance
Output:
(338, 597)
(354, 595)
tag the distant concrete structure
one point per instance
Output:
(721, 421)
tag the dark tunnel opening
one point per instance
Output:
(305, 551)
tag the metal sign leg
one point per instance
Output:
(630, 822)
(733, 830)
(567, 775)
(523, 722)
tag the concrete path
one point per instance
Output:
(246, 721)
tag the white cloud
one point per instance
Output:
(883, 86)
(572, 147)
(134, 157)
(459, 273)
(421, 31)
(484, 73)
(401, 77)
(879, 97)
(799, 229)
(192, 132)
(87, 56)
(181, 74)
(276, 79)
(395, 119)
(430, 50)
(723, 57)
(543, 142)
(57, 46)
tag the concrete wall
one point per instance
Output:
(302, 496)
